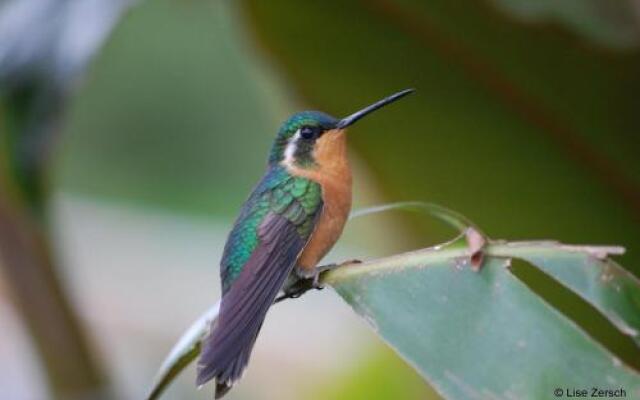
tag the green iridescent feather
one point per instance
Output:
(297, 199)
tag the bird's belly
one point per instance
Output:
(329, 227)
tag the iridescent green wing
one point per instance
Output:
(297, 199)
(270, 233)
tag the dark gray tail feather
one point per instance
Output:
(222, 389)
(225, 367)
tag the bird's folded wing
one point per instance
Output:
(244, 306)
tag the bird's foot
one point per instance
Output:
(308, 280)
(295, 290)
(315, 278)
(329, 267)
(315, 284)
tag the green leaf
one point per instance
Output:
(450, 217)
(588, 272)
(443, 317)
(486, 334)
(183, 352)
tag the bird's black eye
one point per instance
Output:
(308, 132)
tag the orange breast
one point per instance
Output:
(334, 176)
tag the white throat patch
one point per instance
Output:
(290, 151)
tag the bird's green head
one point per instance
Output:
(298, 135)
(302, 135)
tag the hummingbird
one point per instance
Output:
(293, 217)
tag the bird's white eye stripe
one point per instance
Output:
(290, 150)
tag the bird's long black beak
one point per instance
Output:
(345, 122)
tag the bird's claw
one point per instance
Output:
(319, 271)
(297, 289)
(291, 293)
(304, 284)
(315, 284)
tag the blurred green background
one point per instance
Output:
(525, 120)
